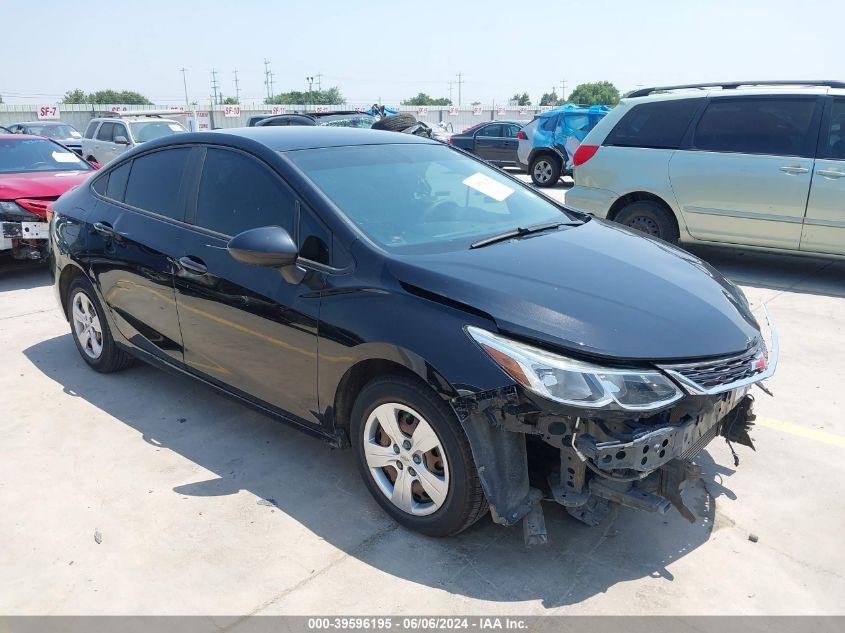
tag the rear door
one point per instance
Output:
(744, 176)
(510, 142)
(104, 147)
(245, 326)
(136, 233)
(489, 142)
(824, 225)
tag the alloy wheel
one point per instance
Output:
(543, 171)
(406, 459)
(86, 326)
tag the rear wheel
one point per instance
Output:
(415, 458)
(545, 170)
(651, 218)
(90, 330)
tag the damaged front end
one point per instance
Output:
(632, 440)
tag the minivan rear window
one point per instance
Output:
(659, 124)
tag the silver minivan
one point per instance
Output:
(755, 164)
(106, 138)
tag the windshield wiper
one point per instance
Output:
(521, 232)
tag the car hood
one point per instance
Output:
(42, 184)
(597, 289)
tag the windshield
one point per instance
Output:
(34, 154)
(144, 131)
(421, 198)
(52, 130)
(347, 120)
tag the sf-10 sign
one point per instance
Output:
(232, 111)
(48, 112)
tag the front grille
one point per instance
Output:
(724, 371)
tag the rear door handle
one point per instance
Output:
(106, 229)
(830, 173)
(193, 266)
(794, 169)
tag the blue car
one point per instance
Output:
(547, 144)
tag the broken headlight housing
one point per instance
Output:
(577, 383)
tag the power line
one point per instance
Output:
(214, 85)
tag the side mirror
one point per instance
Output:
(264, 246)
(121, 140)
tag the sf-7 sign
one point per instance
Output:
(48, 112)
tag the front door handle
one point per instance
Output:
(830, 173)
(794, 169)
(106, 229)
(193, 266)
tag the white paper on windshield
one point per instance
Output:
(175, 128)
(488, 186)
(65, 157)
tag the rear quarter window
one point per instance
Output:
(92, 127)
(659, 124)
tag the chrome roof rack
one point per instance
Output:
(732, 85)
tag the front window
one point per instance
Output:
(347, 120)
(144, 131)
(33, 155)
(421, 198)
(52, 130)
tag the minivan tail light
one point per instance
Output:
(451, 141)
(522, 136)
(584, 153)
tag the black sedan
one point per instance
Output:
(494, 141)
(389, 293)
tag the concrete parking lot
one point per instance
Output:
(145, 493)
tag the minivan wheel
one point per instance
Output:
(651, 218)
(545, 171)
(90, 330)
(415, 458)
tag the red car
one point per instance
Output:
(34, 171)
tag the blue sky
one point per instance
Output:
(375, 49)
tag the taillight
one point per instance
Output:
(522, 136)
(451, 141)
(584, 153)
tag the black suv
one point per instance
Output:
(394, 294)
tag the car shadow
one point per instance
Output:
(319, 487)
(22, 275)
(787, 273)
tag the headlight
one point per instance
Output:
(10, 206)
(574, 382)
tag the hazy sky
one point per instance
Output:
(390, 50)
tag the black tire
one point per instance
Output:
(650, 217)
(91, 159)
(396, 122)
(545, 170)
(111, 358)
(465, 502)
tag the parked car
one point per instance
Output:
(338, 118)
(390, 293)
(756, 164)
(548, 143)
(494, 141)
(34, 171)
(106, 138)
(56, 130)
(255, 118)
(5, 130)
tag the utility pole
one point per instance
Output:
(272, 77)
(450, 91)
(185, 84)
(563, 91)
(237, 88)
(319, 82)
(310, 81)
(460, 81)
(267, 82)
(214, 85)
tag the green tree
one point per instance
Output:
(521, 99)
(423, 99)
(332, 96)
(598, 93)
(549, 99)
(127, 97)
(230, 101)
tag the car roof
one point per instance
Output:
(133, 119)
(23, 137)
(40, 123)
(284, 139)
(702, 93)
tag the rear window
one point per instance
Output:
(775, 126)
(92, 127)
(659, 124)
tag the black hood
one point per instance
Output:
(598, 289)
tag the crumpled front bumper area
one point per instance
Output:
(526, 450)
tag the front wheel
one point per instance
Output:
(651, 218)
(545, 171)
(415, 458)
(91, 330)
